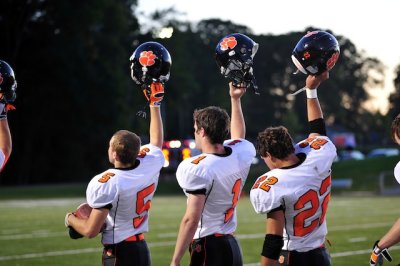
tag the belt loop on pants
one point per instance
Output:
(134, 238)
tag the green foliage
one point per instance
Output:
(364, 173)
(74, 87)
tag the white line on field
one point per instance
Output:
(357, 252)
(357, 239)
(160, 244)
(173, 234)
(72, 252)
(169, 243)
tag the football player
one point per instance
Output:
(294, 194)
(392, 237)
(212, 182)
(121, 196)
(8, 87)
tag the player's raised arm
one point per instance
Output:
(8, 94)
(156, 124)
(234, 56)
(150, 68)
(238, 126)
(315, 55)
(314, 112)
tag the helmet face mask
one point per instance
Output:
(316, 52)
(8, 84)
(234, 55)
(150, 62)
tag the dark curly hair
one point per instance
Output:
(396, 128)
(276, 141)
(215, 121)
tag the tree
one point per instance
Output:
(74, 88)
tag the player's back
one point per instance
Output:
(128, 192)
(303, 191)
(222, 178)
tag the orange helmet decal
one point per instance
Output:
(229, 42)
(332, 61)
(147, 58)
(311, 33)
(306, 55)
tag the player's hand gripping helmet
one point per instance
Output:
(8, 84)
(234, 56)
(316, 52)
(150, 62)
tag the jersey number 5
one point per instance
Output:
(141, 205)
(299, 224)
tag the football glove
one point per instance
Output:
(73, 234)
(154, 93)
(378, 254)
(4, 108)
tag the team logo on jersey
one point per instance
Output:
(147, 58)
(229, 42)
(332, 61)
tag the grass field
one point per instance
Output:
(32, 231)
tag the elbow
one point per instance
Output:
(190, 222)
(90, 232)
(7, 151)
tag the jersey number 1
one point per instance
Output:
(235, 199)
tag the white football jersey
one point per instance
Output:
(397, 172)
(303, 191)
(129, 193)
(2, 160)
(222, 179)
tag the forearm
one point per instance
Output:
(156, 127)
(5, 138)
(267, 262)
(82, 226)
(238, 126)
(392, 237)
(314, 110)
(185, 236)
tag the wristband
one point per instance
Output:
(311, 94)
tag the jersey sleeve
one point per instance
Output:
(190, 179)
(244, 148)
(265, 201)
(151, 155)
(321, 152)
(2, 159)
(100, 194)
(397, 172)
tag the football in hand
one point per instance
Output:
(83, 211)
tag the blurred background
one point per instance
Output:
(71, 60)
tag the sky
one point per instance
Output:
(371, 25)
